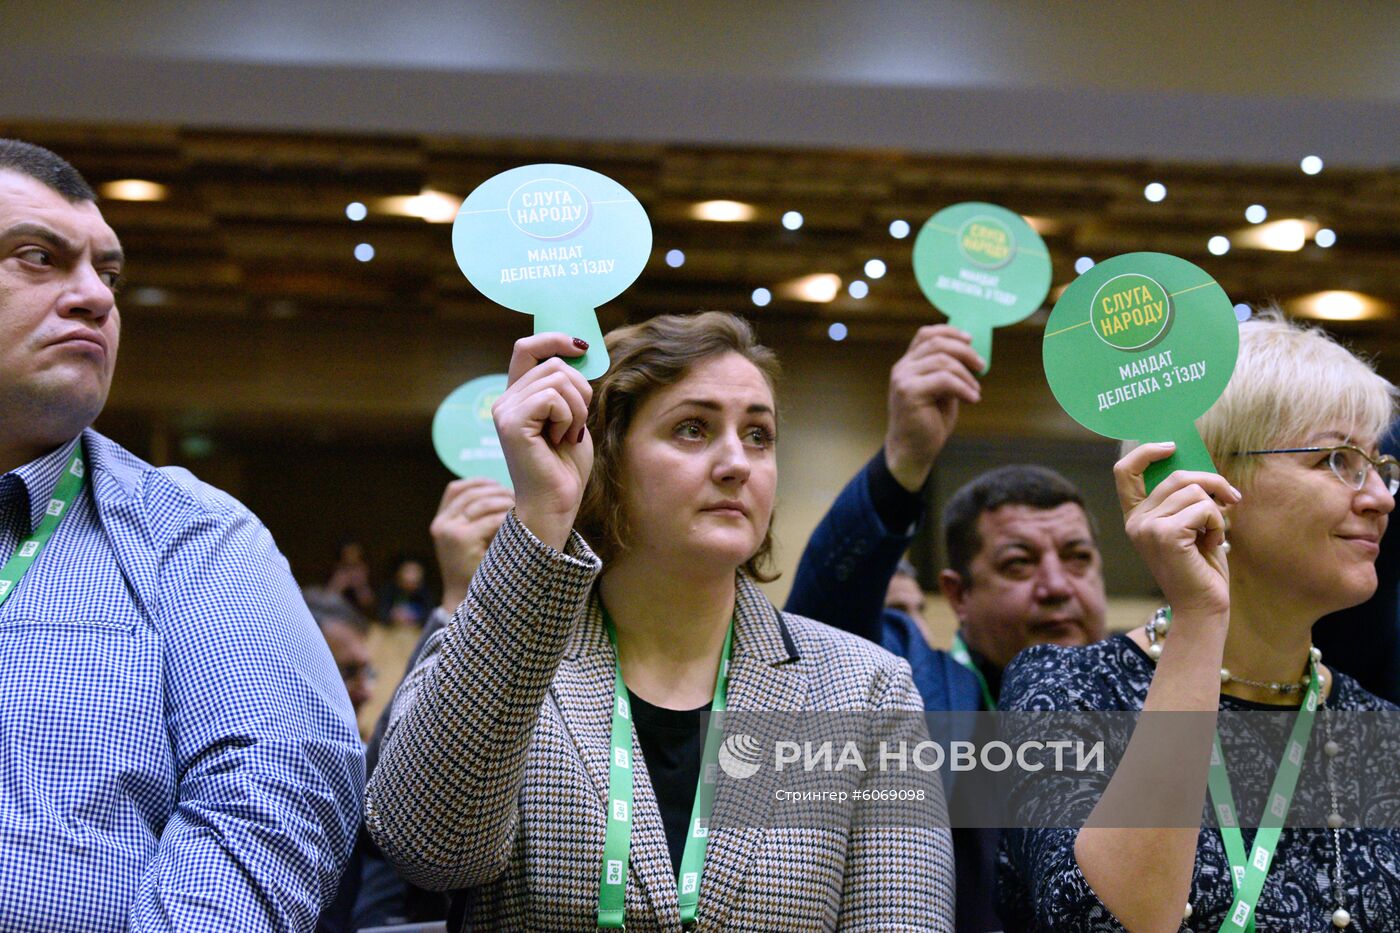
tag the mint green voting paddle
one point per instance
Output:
(464, 434)
(1138, 348)
(554, 241)
(983, 266)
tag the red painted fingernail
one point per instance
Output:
(580, 435)
(581, 343)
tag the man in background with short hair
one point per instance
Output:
(1024, 568)
(346, 632)
(176, 749)
(1023, 561)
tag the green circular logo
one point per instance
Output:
(1130, 311)
(547, 208)
(986, 241)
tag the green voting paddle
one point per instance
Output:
(1138, 348)
(464, 435)
(554, 241)
(983, 266)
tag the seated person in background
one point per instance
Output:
(1024, 568)
(346, 634)
(905, 595)
(350, 577)
(1024, 565)
(405, 599)
(1296, 433)
(178, 752)
(1364, 641)
(498, 763)
(468, 517)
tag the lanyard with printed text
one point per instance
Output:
(964, 657)
(617, 845)
(1248, 876)
(28, 551)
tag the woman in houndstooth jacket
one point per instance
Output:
(495, 774)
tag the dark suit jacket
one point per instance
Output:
(842, 578)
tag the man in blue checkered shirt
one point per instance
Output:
(177, 751)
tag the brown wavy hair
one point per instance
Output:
(656, 353)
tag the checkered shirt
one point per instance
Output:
(177, 751)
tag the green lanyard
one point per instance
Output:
(1248, 876)
(617, 845)
(964, 657)
(28, 552)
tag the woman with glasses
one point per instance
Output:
(1247, 561)
(1364, 640)
(551, 749)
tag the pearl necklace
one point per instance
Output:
(1157, 628)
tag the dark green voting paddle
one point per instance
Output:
(1138, 348)
(983, 266)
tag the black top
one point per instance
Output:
(673, 742)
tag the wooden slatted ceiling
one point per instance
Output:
(255, 223)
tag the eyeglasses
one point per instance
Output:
(1347, 462)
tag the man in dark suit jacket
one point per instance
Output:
(1024, 566)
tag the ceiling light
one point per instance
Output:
(875, 268)
(1256, 213)
(1282, 235)
(148, 295)
(837, 331)
(899, 229)
(792, 220)
(819, 288)
(761, 297)
(364, 252)
(436, 207)
(675, 258)
(1083, 264)
(1338, 306)
(857, 289)
(724, 211)
(1325, 237)
(1243, 312)
(1044, 225)
(1155, 192)
(356, 211)
(1218, 245)
(1310, 165)
(134, 189)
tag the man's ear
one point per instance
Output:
(954, 589)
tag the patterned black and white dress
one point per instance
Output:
(1040, 886)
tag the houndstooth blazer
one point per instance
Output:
(494, 774)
